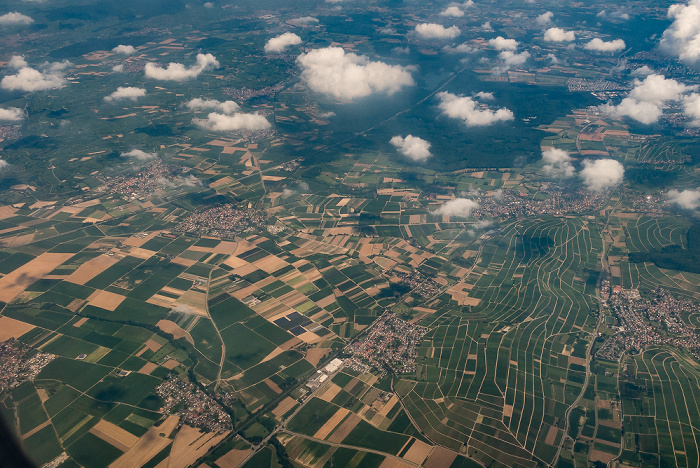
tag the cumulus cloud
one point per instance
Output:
(414, 148)
(327, 115)
(140, 155)
(118, 68)
(304, 20)
(437, 31)
(235, 122)
(470, 111)
(544, 18)
(557, 163)
(617, 15)
(3, 165)
(15, 18)
(126, 93)
(178, 72)
(281, 42)
(124, 49)
(227, 107)
(601, 174)
(208, 5)
(691, 107)
(487, 27)
(501, 43)
(682, 38)
(459, 208)
(334, 72)
(484, 96)
(644, 102)
(559, 35)
(513, 59)
(642, 71)
(600, 45)
(30, 79)
(17, 62)
(687, 199)
(11, 114)
(460, 49)
(453, 11)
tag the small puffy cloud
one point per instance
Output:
(484, 96)
(459, 208)
(227, 107)
(124, 49)
(30, 79)
(682, 38)
(11, 114)
(642, 71)
(617, 15)
(327, 115)
(600, 45)
(686, 199)
(281, 42)
(303, 21)
(17, 62)
(460, 49)
(559, 35)
(208, 5)
(3, 165)
(470, 111)
(487, 27)
(140, 155)
(334, 72)
(644, 102)
(691, 107)
(513, 59)
(437, 31)
(178, 72)
(601, 174)
(453, 11)
(553, 58)
(501, 43)
(15, 18)
(544, 18)
(118, 68)
(414, 148)
(235, 122)
(126, 93)
(557, 163)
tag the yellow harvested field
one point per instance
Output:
(11, 328)
(134, 241)
(225, 247)
(284, 406)
(342, 432)
(331, 391)
(17, 281)
(233, 458)
(148, 368)
(551, 435)
(189, 445)
(270, 264)
(105, 299)
(92, 268)
(389, 405)
(148, 446)
(114, 435)
(331, 424)
(171, 364)
(174, 329)
(315, 355)
(275, 352)
(418, 452)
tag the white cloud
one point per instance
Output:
(437, 31)
(414, 148)
(31, 79)
(468, 4)
(3, 164)
(178, 72)
(484, 96)
(15, 18)
(682, 38)
(470, 112)
(557, 163)
(11, 114)
(460, 49)
(602, 46)
(559, 35)
(126, 93)
(304, 20)
(553, 58)
(238, 121)
(601, 174)
(342, 75)
(281, 42)
(17, 62)
(501, 43)
(227, 107)
(642, 71)
(544, 18)
(687, 199)
(513, 59)
(691, 107)
(118, 68)
(644, 102)
(140, 155)
(459, 207)
(487, 26)
(208, 5)
(124, 49)
(617, 15)
(453, 11)
(327, 115)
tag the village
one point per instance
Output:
(20, 363)
(194, 407)
(223, 221)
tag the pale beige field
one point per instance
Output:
(11, 328)
(331, 424)
(148, 446)
(114, 435)
(284, 406)
(233, 458)
(189, 445)
(342, 432)
(92, 268)
(17, 281)
(105, 299)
